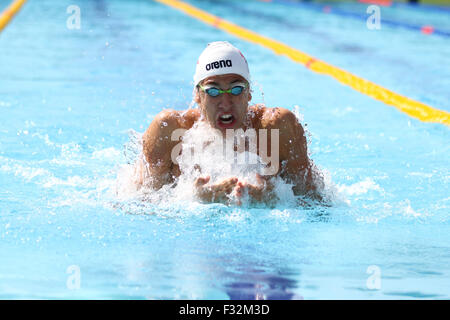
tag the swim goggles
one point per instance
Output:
(214, 92)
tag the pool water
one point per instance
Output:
(74, 103)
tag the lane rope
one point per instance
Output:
(409, 106)
(425, 29)
(8, 14)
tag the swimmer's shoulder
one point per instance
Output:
(188, 117)
(156, 139)
(265, 118)
(174, 119)
(255, 114)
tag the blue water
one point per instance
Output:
(72, 102)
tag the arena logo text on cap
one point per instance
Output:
(219, 58)
(219, 64)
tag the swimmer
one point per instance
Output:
(222, 93)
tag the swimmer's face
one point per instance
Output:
(225, 111)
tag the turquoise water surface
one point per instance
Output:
(74, 102)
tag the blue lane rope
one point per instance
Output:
(336, 11)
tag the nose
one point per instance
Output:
(226, 101)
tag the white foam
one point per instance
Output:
(408, 211)
(72, 181)
(67, 162)
(126, 186)
(280, 213)
(359, 188)
(420, 174)
(28, 173)
(108, 154)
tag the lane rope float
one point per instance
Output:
(8, 14)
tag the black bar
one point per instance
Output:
(219, 309)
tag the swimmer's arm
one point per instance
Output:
(296, 165)
(157, 148)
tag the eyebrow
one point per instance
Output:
(211, 83)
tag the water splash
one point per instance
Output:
(255, 84)
(205, 153)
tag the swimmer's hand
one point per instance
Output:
(219, 192)
(261, 192)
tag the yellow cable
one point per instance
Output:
(9, 13)
(409, 106)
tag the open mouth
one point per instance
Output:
(226, 119)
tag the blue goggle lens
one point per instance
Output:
(235, 91)
(214, 92)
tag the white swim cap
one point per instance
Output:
(221, 57)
